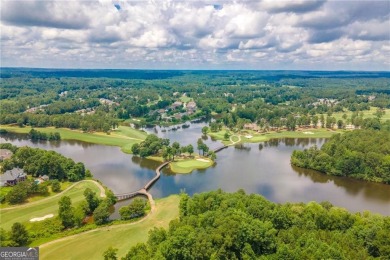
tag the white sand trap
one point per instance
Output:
(308, 133)
(202, 160)
(248, 136)
(42, 218)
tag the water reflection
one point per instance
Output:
(243, 147)
(185, 135)
(257, 168)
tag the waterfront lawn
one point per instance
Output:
(307, 133)
(188, 165)
(48, 206)
(123, 137)
(262, 137)
(129, 132)
(92, 244)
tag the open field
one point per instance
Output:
(92, 244)
(25, 212)
(366, 114)
(123, 137)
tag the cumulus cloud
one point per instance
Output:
(44, 14)
(266, 34)
(296, 6)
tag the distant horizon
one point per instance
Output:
(168, 69)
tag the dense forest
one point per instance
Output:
(38, 162)
(361, 154)
(98, 100)
(219, 225)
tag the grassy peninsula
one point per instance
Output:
(123, 136)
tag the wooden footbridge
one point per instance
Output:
(144, 190)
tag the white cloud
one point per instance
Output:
(195, 34)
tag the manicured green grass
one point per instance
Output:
(235, 138)
(188, 165)
(185, 165)
(41, 208)
(129, 132)
(309, 133)
(91, 245)
(366, 114)
(123, 137)
(256, 137)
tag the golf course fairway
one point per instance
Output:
(92, 244)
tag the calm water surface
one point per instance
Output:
(257, 168)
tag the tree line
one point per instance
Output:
(39, 162)
(249, 97)
(37, 135)
(219, 225)
(154, 145)
(362, 154)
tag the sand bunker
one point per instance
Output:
(308, 133)
(202, 160)
(42, 218)
(248, 136)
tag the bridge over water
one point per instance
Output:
(144, 190)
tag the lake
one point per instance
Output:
(262, 168)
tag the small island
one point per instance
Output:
(182, 159)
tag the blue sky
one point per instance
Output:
(158, 34)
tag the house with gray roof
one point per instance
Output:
(12, 177)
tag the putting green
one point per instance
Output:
(257, 137)
(188, 165)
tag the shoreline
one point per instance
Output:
(250, 136)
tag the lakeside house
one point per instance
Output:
(5, 154)
(12, 177)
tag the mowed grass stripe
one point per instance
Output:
(123, 137)
(92, 244)
(45, 207)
